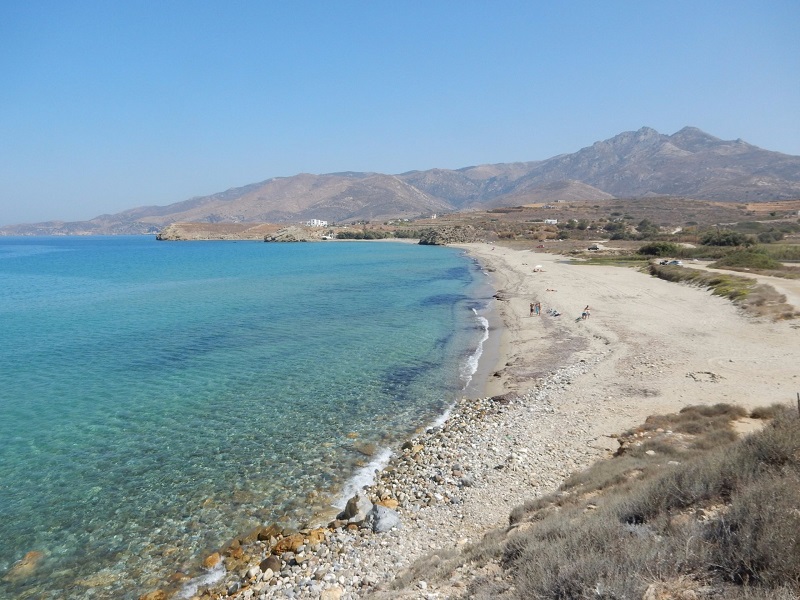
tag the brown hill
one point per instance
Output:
(689, 164)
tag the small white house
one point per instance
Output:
(551, 221)
(316, 223)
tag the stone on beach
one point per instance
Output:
(356, 509)
(289, 544)
(271, 563)
(382, 519)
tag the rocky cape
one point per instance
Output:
(434, 236)
(643, 163)
(217, 231)
(441, 236)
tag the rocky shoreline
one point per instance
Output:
(458, 472)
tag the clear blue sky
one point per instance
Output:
(107, 105)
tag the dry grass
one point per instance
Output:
(701, 515)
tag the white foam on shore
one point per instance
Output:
(470, 366)
(468, 369)
(190, 588)
(365, 476)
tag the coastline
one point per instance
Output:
(561, 387)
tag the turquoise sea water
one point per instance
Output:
(157, 398)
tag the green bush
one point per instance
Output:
(725, 237)
(407, 233)
(788, 252)
(365, 234)
(747, 259)
(659, 249)
(769, 237)
(757, 541)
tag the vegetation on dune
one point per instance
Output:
(725, 237)
(747, 259)
(659, 249)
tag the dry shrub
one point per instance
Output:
(769, 412)
(605, 474)
(435, 566)
(757, 541)
(715, 438)
(694, 419)
(646, 530)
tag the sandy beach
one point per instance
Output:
(562, 387)
(662, 337)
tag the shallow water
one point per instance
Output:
(157, 398)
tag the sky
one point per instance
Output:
(108, 105)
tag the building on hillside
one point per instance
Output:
(316, 223)
(551, 221)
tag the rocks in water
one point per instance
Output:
(24, 567)
(211, 561)
(381, 519)
(233, 587)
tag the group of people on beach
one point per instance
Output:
(536, 310)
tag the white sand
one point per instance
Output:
(658, 333)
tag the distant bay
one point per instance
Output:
(157, 398)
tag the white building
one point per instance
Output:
(316, 223)
(551, 221)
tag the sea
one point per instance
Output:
(159, 398)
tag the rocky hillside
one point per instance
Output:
(643, 163)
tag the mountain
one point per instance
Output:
(643, 163)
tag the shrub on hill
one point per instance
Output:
(659, 524)
(659, 249)
(725, 237)
(365, 234)
(407, 233)
(747, 259)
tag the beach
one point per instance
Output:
(562, 388)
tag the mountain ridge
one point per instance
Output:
(643, 163)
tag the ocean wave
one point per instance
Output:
(190, 588)
(470, 366)
(363, 477)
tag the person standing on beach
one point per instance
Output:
(533, 307)
(537, 308)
